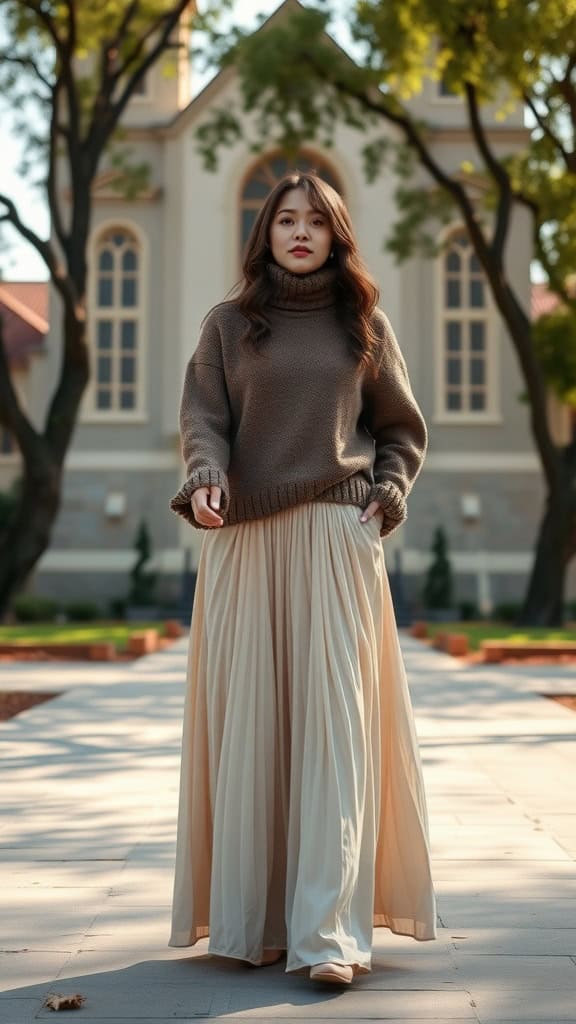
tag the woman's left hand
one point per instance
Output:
(370, 511)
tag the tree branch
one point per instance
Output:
(171, 21)
(51, 179)
(413, 137)
(569, 158)
(129, 13)
(135, 54)
(107, 116)
(72, 36)
(28, 63)
(506, 301)
(43, 248)
(557, 283)
(46, 20)
(109, 76)
(65, 54)
(566, 88)
(498, 172)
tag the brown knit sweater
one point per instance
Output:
(301, 421)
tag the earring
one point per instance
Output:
(332, 254)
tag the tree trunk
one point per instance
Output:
(28, 535)
(544, 599)
(29, 531)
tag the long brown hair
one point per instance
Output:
(356, 293)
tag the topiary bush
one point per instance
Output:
(506, 611)
(469, 611)
(82, 611)
(31, 608)
(438, 587)
(142, 581)
(117, 607)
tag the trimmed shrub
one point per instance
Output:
(31, 608)
(142, 582)
(507, 611)
(118, 607)
(468, 611)
(82, 611)
(438, 586)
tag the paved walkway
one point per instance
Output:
(87, 823)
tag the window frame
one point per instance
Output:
(491, 414)
(139, 414)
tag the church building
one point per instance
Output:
(159, 261)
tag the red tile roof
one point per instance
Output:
(542, 300)
(32, 294)
(24, 310)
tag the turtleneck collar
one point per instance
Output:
(302, 291)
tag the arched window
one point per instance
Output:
(266, 173)
(466, 339)
(116, 326)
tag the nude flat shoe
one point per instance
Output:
(334, 974)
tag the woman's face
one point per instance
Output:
(300, 237)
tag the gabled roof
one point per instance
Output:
(222, 78)
(24, 312)
(32, 295)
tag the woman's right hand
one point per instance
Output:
(204, 501)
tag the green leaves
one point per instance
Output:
(222, 129)
(555, 341)
(297, 85)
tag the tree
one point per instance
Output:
(79, 63)
(438, 585)
(483, 51)
(142, 582)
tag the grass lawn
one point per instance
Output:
(478, 631)
(81, 632)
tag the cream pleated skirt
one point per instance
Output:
(302, 818)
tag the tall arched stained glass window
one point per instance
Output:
(266, 173)
(116, 325)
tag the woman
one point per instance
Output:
(302, 818)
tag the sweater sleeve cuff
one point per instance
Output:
(393, 504)
(181, 502)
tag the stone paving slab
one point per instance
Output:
(18, 1011)
(278, 998)
(457, 911)
(27, 969)
(513, 942)
(88, 799)
(514, 973)
(499, 870)
(532, 1006)
(529, 888)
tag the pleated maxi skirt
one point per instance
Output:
(302, 817)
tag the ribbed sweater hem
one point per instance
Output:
(354, 490)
